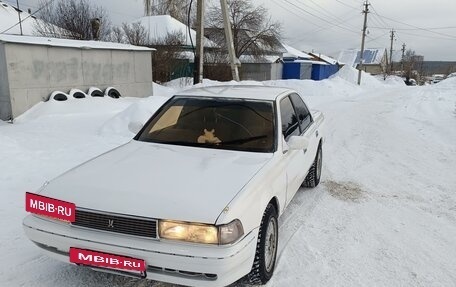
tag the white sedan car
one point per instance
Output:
(194, 198)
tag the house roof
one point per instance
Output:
(372, 56)
(325, 58)
(81, 44)
(159, 27)
(294, 53)
(9, 17)
(265, 59)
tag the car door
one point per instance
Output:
(292, 159)
(308, 130)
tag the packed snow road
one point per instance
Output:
(384, 214)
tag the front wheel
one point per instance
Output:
(266, 251)
(313, 177)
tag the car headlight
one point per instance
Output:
(201, 233)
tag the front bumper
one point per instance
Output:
(173, 262)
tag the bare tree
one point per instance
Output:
(168, 59)
(177, 9)
(75, 19)
(413, 66)
(135, 34)
(118, 35)
(254, 32)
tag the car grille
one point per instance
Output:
(130, 225)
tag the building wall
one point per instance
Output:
(321, 72)
(35, 71)
(5, 103)
(261, 72)
(373, 69)
(306, 71)
(276, 71)
(297, 71)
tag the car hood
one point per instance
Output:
(159, 181)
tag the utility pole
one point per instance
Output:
(198, 69)
(363, 39)
(391, 50)
(229, 41)
(403, 56)
(19, 13)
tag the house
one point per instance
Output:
(175, 45)
(160, 26)
(31, 68)
(9, 19)
(375, 60)
(260, 58)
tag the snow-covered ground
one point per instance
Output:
(384, 214)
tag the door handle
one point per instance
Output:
(316, 134)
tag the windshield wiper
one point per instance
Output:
(244, 140)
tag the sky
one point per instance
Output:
(329, 26)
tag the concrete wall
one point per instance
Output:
(35, 71)
(5, 103)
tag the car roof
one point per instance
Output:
(251, 92)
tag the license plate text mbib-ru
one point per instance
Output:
(106, 260)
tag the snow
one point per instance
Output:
(9, 17)
(383, 215)
(55, 42)
(159, 27)
(325, 58)
(294, 53)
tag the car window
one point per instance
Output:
(222, 123)
(290, 124)
(304, 117)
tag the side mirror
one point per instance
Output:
(135, 127)
(298, 143)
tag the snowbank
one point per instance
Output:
(449, 83)
(163, 91)
(394, 81)
(138, 112)
(95, 105)
(350, 75)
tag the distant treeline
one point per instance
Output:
(437, 67)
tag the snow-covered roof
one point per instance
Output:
(294, 53)
(55, 42)
(249, 59)
(325, 58)
(371, 56)
(159, 27)
(313, 62)
(9, 17)
(255, 92)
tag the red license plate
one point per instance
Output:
(106, 260)
(50, 207)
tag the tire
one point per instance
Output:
(314, 175)
(266, 250)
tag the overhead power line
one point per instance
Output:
(318, 17)
(416, 27)
(32, 14)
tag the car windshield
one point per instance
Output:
(222, 123)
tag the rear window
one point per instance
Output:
(233, 124)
